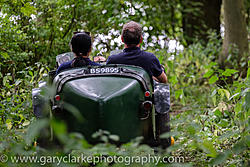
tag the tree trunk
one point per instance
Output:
(196, 23)
(235, 43)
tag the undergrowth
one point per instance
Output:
(209, 120)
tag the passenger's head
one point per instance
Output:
(81, 44)
(132, 33)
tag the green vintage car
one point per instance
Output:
(115, 98)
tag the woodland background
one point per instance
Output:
(204, 45)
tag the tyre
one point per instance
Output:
(163, 126)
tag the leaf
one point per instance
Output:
(18, 82)
(5, 55)
(59, 127)
(209, 148)
(178, 93)
(240, 146)
(248, 71)
(28, 9)
(218, 113)
(114, 137)
(214, 92)
(5, 80)
(211, 65)
(30, 73)
(228, 135)
(229, 72)
(60, 130)
(34, 129)
(173, 80)
(224, 92)
(168, 134)
(104, 139)
(191, 129)
(214, 100)
(208, 74)
(26, 122)
(213, 79)
(9, 124)
(223, 123)
(219, 159)
(227, 93)
(74, 111)
(247, 101)
(41, 70)
(236, 94)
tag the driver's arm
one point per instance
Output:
(161, 78)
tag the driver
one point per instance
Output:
(133, 55)
(80, 45)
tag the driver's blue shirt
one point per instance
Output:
(67, 65)
(135, 56)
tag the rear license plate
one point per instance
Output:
(104, 70)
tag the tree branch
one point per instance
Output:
(71, 23)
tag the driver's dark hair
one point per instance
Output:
(131, 33)
(80, 44)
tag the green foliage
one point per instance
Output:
(212, 128)
(15, 96)
(33, 31)
(209, 121)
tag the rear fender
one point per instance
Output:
(40, 101)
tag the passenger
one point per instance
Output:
(80, 45)
(133, 55)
